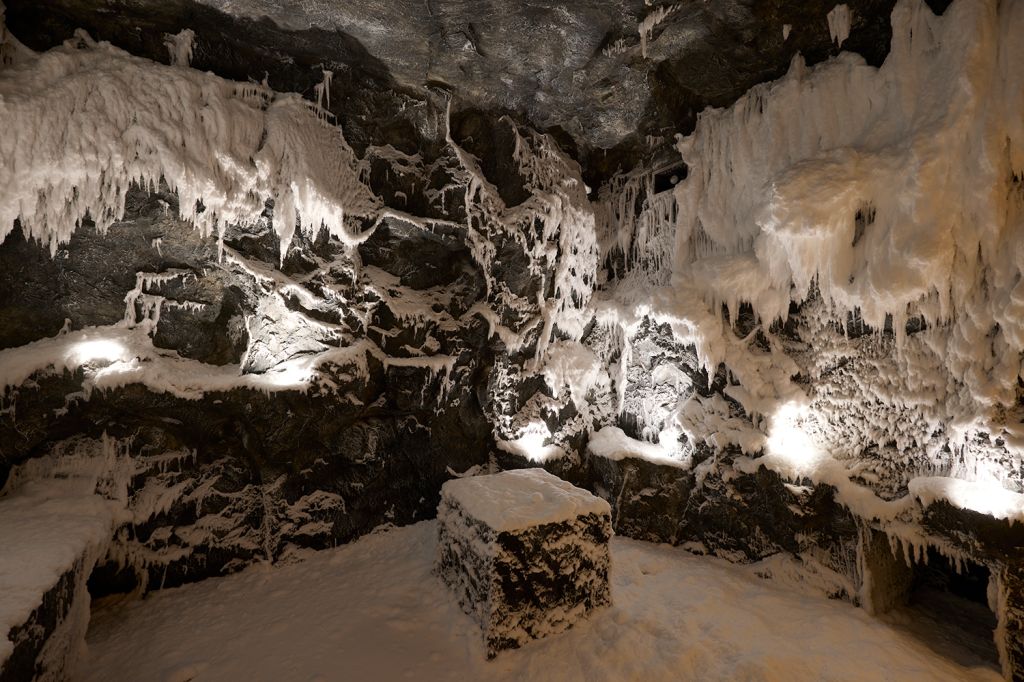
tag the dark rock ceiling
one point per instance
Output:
(574, 68)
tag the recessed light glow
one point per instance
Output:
(106, 350)
(787, 438)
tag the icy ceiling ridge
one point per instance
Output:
(896, 191)
(85, 120)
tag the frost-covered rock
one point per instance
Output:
(525, 552)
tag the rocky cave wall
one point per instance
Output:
(538, 277)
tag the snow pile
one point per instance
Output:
(522, 498)
(674, 616)
(611, 442)
(101, 119)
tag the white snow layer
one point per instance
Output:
(85, 120)
(521, 498)
(372, 610)
(46, 526)
(118, 355)
(611, 442)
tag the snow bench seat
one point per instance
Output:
(51, 534)
(525, 552)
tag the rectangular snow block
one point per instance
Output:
(525, 553)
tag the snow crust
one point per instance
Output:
(101, 119)
(521, 498)
(372, 610)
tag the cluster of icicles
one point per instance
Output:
(85, 120)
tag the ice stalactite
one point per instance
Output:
(546, 317)
(180, 47)
(104, 120)
(322, 90)
(894, 192)
(840, 18)
(648, 24)
(639, 223)
(554, 227)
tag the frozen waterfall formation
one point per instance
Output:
(272, 273)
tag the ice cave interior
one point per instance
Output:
(376, 339)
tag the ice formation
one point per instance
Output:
(839, 19)
(924, 153)
(649, 22)
(893, 194)
(104, 120)
(180, 47)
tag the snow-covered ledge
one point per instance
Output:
(52, 530)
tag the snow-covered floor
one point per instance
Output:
(373, 611)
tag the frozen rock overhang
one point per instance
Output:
(87, 120)
(605, 74)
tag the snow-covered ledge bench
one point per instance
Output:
(51, 534)
(525, 552)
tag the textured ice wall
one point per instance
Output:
(86, 120)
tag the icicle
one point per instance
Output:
(839, 20)
(322, 90)
(646, 27)
(180, 46)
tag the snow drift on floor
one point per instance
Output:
(373, 611)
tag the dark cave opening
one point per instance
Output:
(951, 611)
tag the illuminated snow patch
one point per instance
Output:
(531, 444)
(612, 443)
(107, 350)
(984, 497)
(788, 441)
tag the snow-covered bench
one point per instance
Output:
(51, 534)
(525, 552)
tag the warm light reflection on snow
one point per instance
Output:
(106, 350)
(530, 443)
(787, 438)
(292, 374)
(532, 440)
(984, 497)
